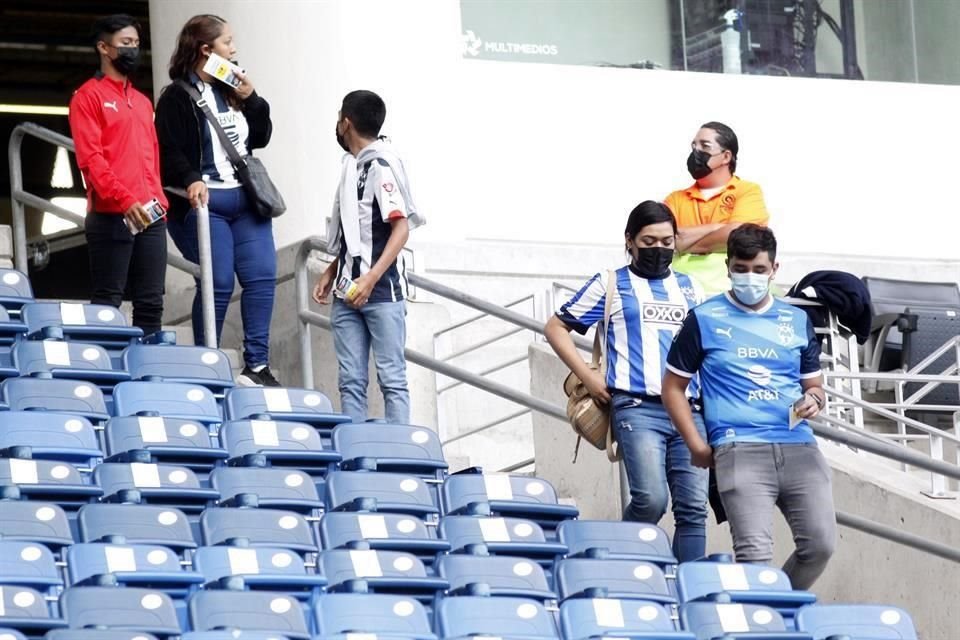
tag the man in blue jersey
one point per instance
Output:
(759, 365)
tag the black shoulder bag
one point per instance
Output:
(263, 194)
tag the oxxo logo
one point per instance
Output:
(664, 313)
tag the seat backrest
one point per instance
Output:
(39, 315)
(281, 403)
(247, 437)
(697, 580)
(63, 396)
(233, 634)
(504, 495)
(25, 608)
(96, 634)
(53, 436)
(215, 563)
(634, 540)
(342, 565)
(823, 621)
(41, 522)
(164, 438)
(88, 561)
(169, 399)
(374, 613)
(15, 289)
(127, 608)
(386, 492)
(28, 564)
(584, 618)
(392, 447)
(709, 620)
(275, 488)
(39, 356)
(464, 531)
(257, 528)
(135, 524)
(470, 615)
(179, 363)
(634, 579)
(250, 610)
(13, 634)
(893, 296)
(502, 575)
(339, 530)
(156, 483)
(61, 482)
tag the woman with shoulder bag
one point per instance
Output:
(193, 158)
(647, 307)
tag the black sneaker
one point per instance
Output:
(263, 378)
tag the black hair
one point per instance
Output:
(648, 212)
(748, 240)
(106, 26)
(727, 139)
(366, 110)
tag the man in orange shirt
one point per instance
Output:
(714, 205)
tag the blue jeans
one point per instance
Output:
(656, 458)
(383, 326)
(241, 242)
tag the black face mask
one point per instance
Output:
(697, 164)
(653, 262)
(340, 140)
(127, 60)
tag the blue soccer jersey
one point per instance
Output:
(645, 314)
(750, 365)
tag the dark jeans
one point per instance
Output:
(241, 242)
(120, 261)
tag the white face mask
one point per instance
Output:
(750, 288)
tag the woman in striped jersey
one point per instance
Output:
(648, 305)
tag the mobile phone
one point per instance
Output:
(156, 211)
(223, 70)
(794, 418)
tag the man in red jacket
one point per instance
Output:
(117, 152)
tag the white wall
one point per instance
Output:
(561, 153)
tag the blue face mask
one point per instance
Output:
(750, 288)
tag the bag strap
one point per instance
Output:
(613, 453)
(235, 158)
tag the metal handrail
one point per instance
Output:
(307, 319)
(19, 199)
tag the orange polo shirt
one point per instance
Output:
(738, 201)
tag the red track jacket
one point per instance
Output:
(117, 150)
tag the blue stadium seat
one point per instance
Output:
(96, 634)
(48, 436)
(234, 634)
(617, 540)
(871, 622)
(173, 363)
(256, 569)
(47, 480)
(15, 290)
(248, 610)
(257, 528)
(168, 399)
(26, 610)
(139, 565)
(155, 484)
(380, 492)
(386, 616)
(10, 332)
(504, 495)
(372, 571)
(94, 323)
(273, 488)
(617, 579)
(71, 360)
(135, 524)
(585, 618)
(42, 522)
(282, 403)
(13, 634)
(62, 396)
(503, 617)
(28, 564)
(499, 536)
(261, 443)
(389, 447)
(387, 531)
(159, 439)
(127, 608)
(709, 621)
(741, 583)
(495, 576)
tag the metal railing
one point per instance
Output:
(20, 199)
(829, 427)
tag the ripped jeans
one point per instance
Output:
(657, 460)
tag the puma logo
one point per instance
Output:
(111, 105)
(725, 332)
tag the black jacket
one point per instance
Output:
(179, 120)
(842, 293)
